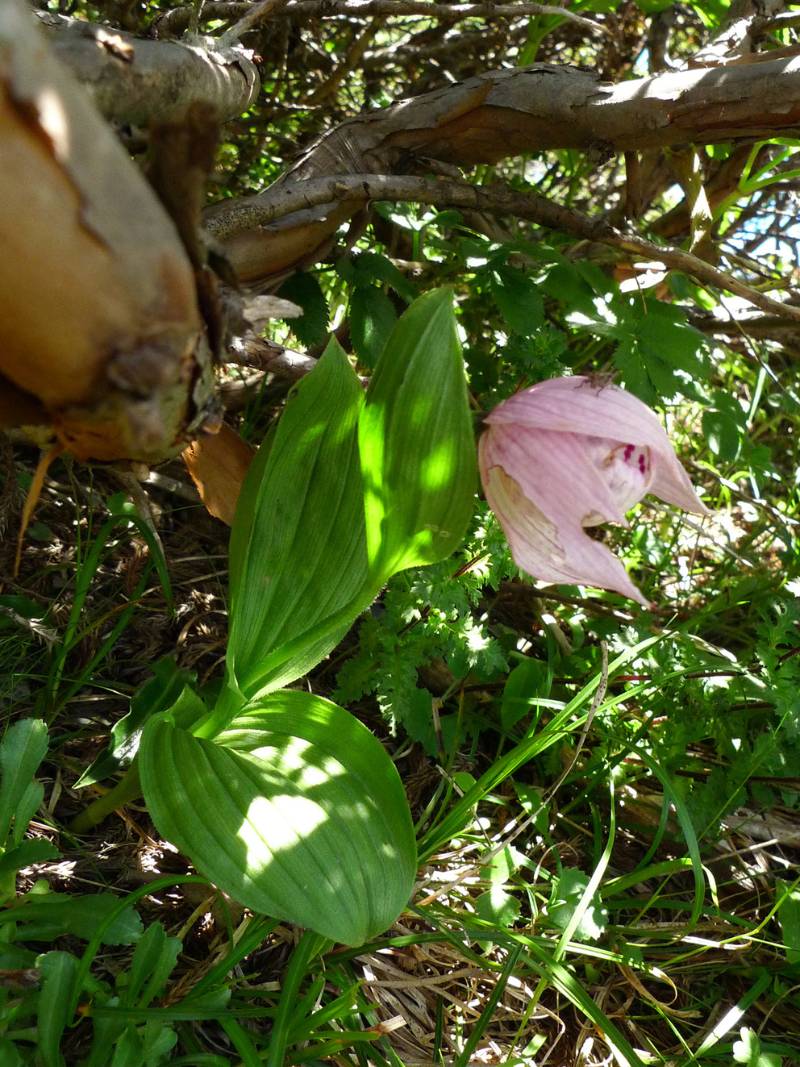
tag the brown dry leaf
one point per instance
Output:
(217, 464)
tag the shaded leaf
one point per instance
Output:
(21, 751)
(311, 328)
(372, 317)
(59, 975)
(156, 695)
(45, 916)
(518, 299)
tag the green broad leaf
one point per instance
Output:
(372, 318)
(10, 1055)
(747, 1050)
(295, 809)
(518, 299)
(417, 444)
(21, 751)
(34, 850)
(498, 907)
(59, 972)
(723, 433)
(528, 681)
(311, 328)
(298, 554)
(144, 1046)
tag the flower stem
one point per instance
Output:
(128, 788)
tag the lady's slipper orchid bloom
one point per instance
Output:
(568, 454)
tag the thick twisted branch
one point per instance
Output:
(505, 113)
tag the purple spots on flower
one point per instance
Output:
(629, 450)
(642, 464)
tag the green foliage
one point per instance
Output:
(22, 749)
(598, 846)
(372, 318)
(298, 557)
(416, 442)
(300, 813)
(310, 328)
(276, 788)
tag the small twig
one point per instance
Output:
(353, 56)
(251, 19)
(178, 19)
(34, 626)
(289, 200)
(31, 500)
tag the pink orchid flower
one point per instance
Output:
(568, 454)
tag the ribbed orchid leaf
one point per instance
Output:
(295, 810)
(417, 443)
(298, 555)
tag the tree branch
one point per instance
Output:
(138, 81)
(290, 202)
(99, 318)
(509, 112)
(177, 20)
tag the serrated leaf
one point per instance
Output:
(566, 897)
(656, 345)
(498, 907)
(311, 328)
(295, 810)
(518, 299)
(372, 318)
(298, 554)
(416, 442)
(370, 267)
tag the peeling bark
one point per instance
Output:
(505, 113)
(99, 320)
(139, 82)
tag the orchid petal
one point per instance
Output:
(553, 554)
(556, 472)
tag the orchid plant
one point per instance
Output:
(280, 797)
